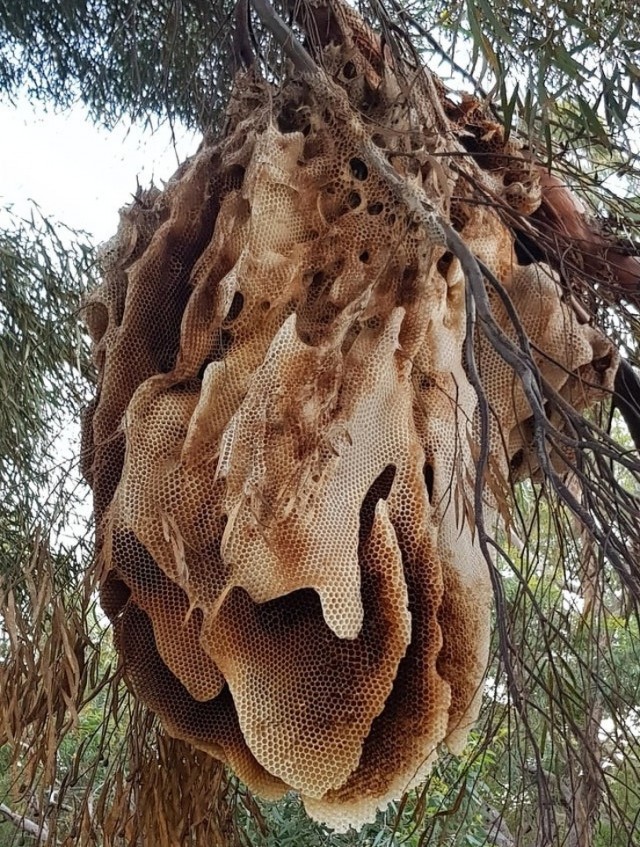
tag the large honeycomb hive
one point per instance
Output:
(283, 444)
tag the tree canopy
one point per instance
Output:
(572, 62)
(565, 75)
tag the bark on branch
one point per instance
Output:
(39, 831)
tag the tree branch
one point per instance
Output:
(39, 831)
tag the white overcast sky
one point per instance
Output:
(77, 172)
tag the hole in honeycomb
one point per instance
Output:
(516, 460)
(378, 490)
(184, 388)
(359, 169)
(602, 364)
(444, 263)
(424, 381)
(374, 322)
(284, 614)
(235, 176)
(375, 208)
(459, 218)
(316, 286)
(527, 250)
(349, 70)
(236, 307)
(364, 257)
(372, 97)
(354, 200)
(114, 595)
(289, 119)
(428, 474)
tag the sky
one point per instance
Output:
(79, 173)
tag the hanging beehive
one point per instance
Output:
(284, 441)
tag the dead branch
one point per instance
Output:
(39, 831)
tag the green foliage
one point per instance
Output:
(563, 54)
(160, 57)
(44, 271)
(83, 761)
(564, 75)
(143, 59)
(450, 806)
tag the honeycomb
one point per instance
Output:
(283, 444)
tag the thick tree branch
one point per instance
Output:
(242, 48)
(39, 831)
(283, 34)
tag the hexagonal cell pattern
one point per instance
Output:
(282, 447)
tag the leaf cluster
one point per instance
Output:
(145, 59)
(44, 366)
